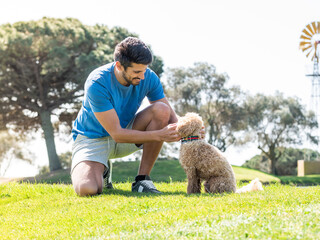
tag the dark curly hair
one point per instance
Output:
(132, 50)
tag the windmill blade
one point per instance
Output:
(310, 29)
(314, 27)
(304, 43)
(304, 37)
(318, 27)
(305, 48)
(315, 51)
(314, 56)
(309, 52)
(306, 33)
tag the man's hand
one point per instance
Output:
(169, 133)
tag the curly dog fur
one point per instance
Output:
(204, 162)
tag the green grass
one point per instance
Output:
(54, 211)
(308, 180)
(171, 171)
(246, 174)
(49, 211)
(163, 171)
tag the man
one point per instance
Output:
(108, 125)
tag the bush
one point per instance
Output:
(286, 164)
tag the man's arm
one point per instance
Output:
(110, 121)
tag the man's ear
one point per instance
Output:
(119, 66)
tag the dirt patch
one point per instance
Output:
(6, 180)
(58, 176)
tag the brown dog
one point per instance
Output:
(202, 161)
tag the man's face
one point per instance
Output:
(134, 74)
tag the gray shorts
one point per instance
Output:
(100, 149)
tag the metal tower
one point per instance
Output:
(315, 92)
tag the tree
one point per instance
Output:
(43, 65)
(201, 89)
(279, 122)
(10, 148)
(286, 164)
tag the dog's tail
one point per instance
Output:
(254, 185)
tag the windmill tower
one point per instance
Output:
(310, 44)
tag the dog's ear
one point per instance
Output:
(189, 125)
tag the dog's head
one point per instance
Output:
(189, 125)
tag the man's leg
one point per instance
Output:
(87, 178)
(154, 117)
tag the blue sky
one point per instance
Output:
(256, 42)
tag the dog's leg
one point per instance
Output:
(194, 183)
(219, 185)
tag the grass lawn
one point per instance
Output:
(163, 171)
(44, 211)
(54, 211)
(301, 181)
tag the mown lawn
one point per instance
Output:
(309, 180)
(44, 211)
(163, 171)
(39, 208)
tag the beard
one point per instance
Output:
(129, 80)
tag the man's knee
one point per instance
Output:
(161, 111)
(86, 188)
(87, 178)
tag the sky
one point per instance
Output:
(256, 42)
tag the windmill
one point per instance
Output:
(310, 44)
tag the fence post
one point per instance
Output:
(300, 168)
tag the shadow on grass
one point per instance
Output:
(128, 193)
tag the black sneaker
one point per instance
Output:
(107, 176)
(145, 186)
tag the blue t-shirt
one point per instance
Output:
(103, 92)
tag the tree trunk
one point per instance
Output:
(273, 167)
(273, 159)
(54, 161)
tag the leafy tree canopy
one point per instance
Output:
(277, 122)
(43, 65)
(201, 89)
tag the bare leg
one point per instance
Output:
(154, 117)
(87, 178)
